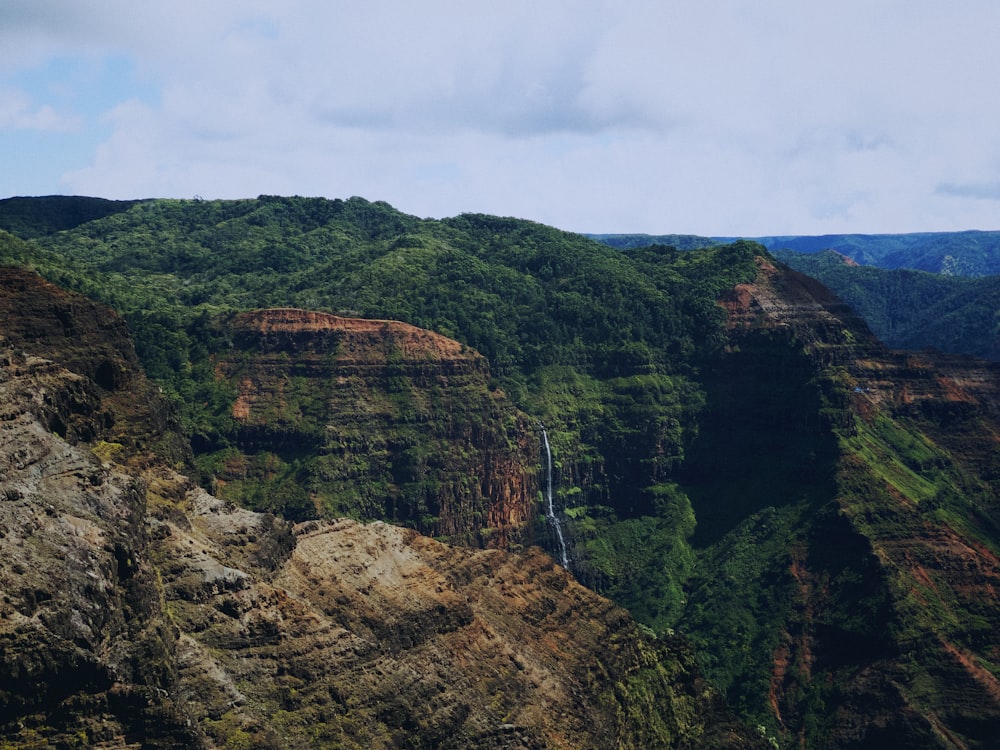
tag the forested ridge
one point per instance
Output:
(911, 309)
(932, 289)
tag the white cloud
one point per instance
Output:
(18, 112)
(731, 117)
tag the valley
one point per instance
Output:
(337, 459)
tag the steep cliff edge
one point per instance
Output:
(862, 532)
(375, 419)
(139, 611)
(42, 320)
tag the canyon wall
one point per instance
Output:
(378, 419)
(878, 505)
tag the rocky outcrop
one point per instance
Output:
(86, 339)
(84, 644)
(137, 610)
(378, 419)
(375, 636)
(780, 299)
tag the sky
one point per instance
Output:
(712, 117)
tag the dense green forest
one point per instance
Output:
(913, 309)
(699, 470)
(33, 217)
(530, 298)
(631, 241)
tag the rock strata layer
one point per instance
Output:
(378, 419)
(895, 583)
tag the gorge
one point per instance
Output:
(317, 522)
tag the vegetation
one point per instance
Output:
(939, 290)
(600, 345)
(632, 241)
(716, 482)
(33, 217)
(914, 309)
(952, 253)
(970, 254)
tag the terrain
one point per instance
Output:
(368, 418)
(969, 254)
(915, 291)
(140, 611)
(972, 253)
(913, 309)
(737, 460)
(863, 567)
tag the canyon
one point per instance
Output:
(140, 611)
(316, 521)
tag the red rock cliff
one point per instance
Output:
(380, 419)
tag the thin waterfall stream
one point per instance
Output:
(550, 511)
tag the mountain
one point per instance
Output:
(38, 217)
(913, 309)
(970, 253)
(736, 459)
(854, 576)
(140, 611)
(915, 291)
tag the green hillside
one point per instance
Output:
(914, 309)
(37, 217)
(971, 253)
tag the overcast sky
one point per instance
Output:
(716, 117)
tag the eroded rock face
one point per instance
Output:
(111, 399)
(84, 646)
(137, 610)
(375, 636)
(379, 419)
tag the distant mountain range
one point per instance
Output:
(971, 253)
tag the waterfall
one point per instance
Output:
(550, 511)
